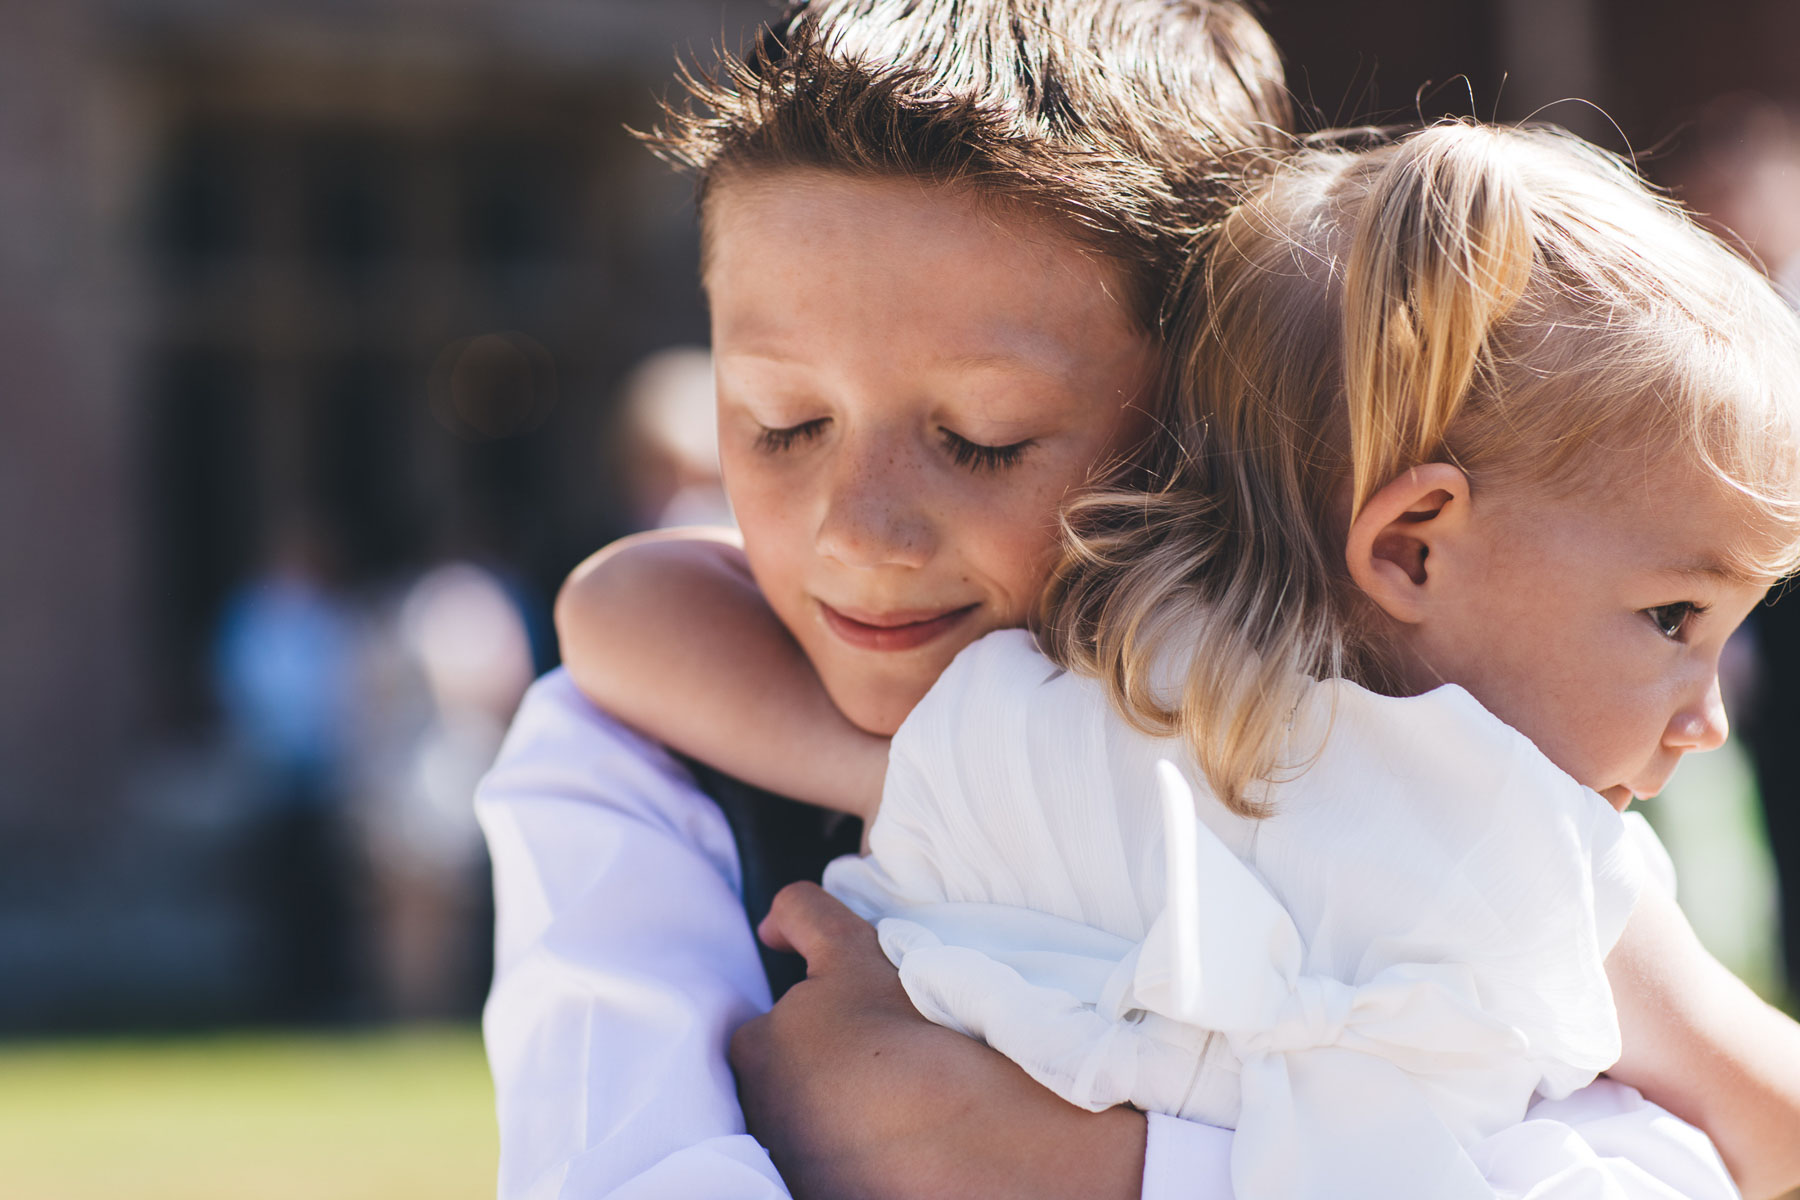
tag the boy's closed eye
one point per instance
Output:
(978, 457)
(774, 441)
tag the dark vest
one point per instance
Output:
(779, 841)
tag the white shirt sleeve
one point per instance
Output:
(623, 962)
(1185, 1160)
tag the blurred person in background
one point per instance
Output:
(285, 666)
(1741, 170)
(444, 669)
(672, 440)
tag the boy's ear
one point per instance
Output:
(1402, 534)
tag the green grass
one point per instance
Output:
(248, 1117)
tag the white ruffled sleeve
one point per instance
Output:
(1604, 1142)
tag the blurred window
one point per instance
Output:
(311, 262)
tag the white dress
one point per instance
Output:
(1368, 985)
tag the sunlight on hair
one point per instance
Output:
(1510, 300)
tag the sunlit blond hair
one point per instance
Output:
(1510, 300)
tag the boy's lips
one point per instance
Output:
(900, 630)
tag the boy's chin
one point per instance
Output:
(875, 706)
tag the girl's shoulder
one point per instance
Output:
(1005, 658)
(1486, 853)
(1447, 742)
(1441, 783)
(1000, 686)
(1013, 781)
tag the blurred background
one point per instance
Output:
(332, 334)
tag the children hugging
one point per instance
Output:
(1379, 507)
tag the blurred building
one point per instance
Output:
(377, 263)
(381, 266)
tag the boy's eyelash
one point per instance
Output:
(1671, 620)
(978, 457)
(974, 455)
(776, 440)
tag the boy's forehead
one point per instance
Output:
(820, 271)
(805, 228)
(752, 202)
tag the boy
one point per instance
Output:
(1074, 146)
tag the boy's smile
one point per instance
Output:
(911, 380)
(893, 630)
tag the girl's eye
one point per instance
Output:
(1671, 620)
(978, 457)
(774, 441)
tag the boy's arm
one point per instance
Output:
(668, 632)
(622, 964)
(1704, 1046)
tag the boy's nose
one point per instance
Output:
(873, 515)
(1701, 725)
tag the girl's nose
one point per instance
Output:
(1701, 725)
(875, 515)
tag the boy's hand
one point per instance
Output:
(857, 1096)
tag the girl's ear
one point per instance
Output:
(1403, 535)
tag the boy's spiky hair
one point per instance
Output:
(1117, 118)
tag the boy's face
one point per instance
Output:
(1594, 626)
(910, 383)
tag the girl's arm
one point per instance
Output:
(668, 632)
(1704, 1046)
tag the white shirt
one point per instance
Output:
(624, 961)
(622, 964)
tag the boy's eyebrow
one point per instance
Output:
(1036, 362)
(1055, 368)
(1050, 367)
(774, 356)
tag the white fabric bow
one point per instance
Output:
(1347, 1090)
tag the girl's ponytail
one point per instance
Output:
(1378, 330)
(1442, 251)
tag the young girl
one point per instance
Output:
(1486, 452)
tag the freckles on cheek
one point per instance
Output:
(759, 496)
(773, 543)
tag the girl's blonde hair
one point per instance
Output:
(1510, 300)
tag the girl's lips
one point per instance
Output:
(1621, 795)
(892, 631)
